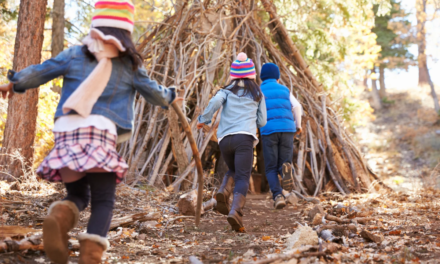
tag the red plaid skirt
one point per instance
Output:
(81, 150)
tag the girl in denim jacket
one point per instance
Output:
(95, 112)
(244, 110)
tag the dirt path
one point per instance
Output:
(151, 242)
(402, 142)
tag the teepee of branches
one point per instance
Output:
(193, 50)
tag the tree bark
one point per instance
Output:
(20, 127)
(424, 77)
(382, 91)
(377, 102)
(57, 27)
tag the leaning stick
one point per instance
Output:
(196, 156)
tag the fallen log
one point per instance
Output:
(34, 243)
(187, 204)
(131, 219)
(16, 231)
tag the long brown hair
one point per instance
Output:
(250, 87)
(125, 37)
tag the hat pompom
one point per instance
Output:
(242, 56)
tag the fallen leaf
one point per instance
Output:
(395, 232)
(265, 238)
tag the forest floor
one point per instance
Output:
(401, 227)
(407, 227)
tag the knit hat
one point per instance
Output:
(114, 13)
(243, 67)
(270, 71)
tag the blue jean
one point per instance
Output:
(277, 149)
(101, 187)
(238, 153)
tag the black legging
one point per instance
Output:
(238, 153)
(102, 187)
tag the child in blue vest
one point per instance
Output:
(244, 110)
(283, 122)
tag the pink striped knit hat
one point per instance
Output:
(243, 67)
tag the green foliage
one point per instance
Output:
(393, 36)
(7, 12)
(335, 38)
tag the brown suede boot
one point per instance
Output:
(224, 193)
(62, 217)
(235, 217)
(91, 248)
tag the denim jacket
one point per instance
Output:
(239, 114)
(117, 100)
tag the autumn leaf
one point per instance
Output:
(395, 232)
(265, 238)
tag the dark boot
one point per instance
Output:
(224, 193)
(235, 217)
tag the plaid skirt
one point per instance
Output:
(81, 150)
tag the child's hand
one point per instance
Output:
(5, 89)
(200, 125)
(298, 132)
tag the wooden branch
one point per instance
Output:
(131, 219)
(196, 156)
(158, 163)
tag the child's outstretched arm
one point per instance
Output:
(262, 113)
(36, 75)
(297, 113)
(214, 104)
(152, 92)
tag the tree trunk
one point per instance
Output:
(424, 77)
(377, 102)
(20, 127)
(57, 27)
(382, 91)
(57, 45)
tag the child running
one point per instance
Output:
(283, 122)
(244, 109)
(95, 112)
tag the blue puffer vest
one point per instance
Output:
(279, 108)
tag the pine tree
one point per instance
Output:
(394, 44)
(20, 128)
